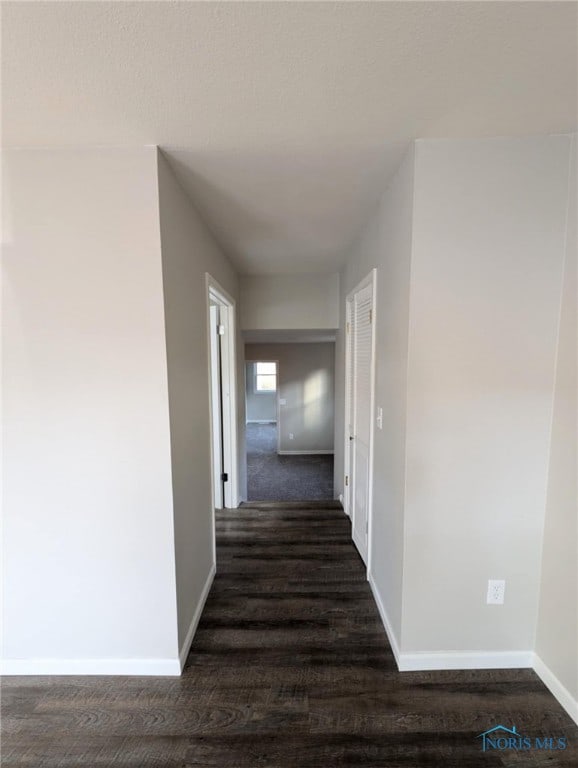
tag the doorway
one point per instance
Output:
(290, 429)
(222, 361)
(359, 411)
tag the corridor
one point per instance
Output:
(290, 668)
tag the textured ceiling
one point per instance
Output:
(285, 120)
(287, 209)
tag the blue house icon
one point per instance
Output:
(498, 731)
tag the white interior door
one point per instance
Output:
(223, 395)
(361, 331)
(227, 413)
(349, 408)
(216, 403)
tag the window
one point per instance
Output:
(265, 377)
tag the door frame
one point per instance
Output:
(215, 407)
(227, 305)
(348, 494)
(348, 383)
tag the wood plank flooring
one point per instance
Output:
(290, 668)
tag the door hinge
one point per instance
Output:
(221, 330)
(225, 477)
(371, 315)
(347, 326)
(346, 479)
(366, 527)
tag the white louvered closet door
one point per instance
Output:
(350, 401)
(362, 328)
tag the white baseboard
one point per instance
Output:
(559, 691)
(196, 618)
(384, 619)
(305, 453)
(129, 667)
(260, 421)
(415, 662)
(136, 667)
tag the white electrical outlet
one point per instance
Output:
(290, 435)
(380, 418)
(496, 590)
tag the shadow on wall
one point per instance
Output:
(305, 392)
(308, 409)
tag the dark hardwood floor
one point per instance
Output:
(290, 668)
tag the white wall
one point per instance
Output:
(89, 581)
(386, 244)
(306, 375)
(289, 302)
(260, 406)
(469, 246)
(188, 252)
(557, 634)
(488, 244)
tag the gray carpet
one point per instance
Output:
(284, 478)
